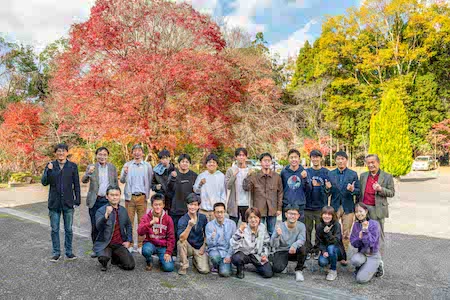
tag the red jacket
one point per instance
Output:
(161, 234)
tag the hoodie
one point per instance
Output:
(317, 196)
(294, 186)
(161, 234)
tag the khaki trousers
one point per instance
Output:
(185, 250)
(137, 205)
(347, 223)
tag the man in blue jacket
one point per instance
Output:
(114, 233)
(344, 190)
(316, 199)
(295, 184)
(63, 196)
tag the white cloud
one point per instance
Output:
(244, 12)
(40, 22)
(291, 45)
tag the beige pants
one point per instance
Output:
(209, 214)
(347, 223)
(185, 250)
(137, 205)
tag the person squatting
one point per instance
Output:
(225, 221)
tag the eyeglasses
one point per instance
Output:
(292, 214)
(219, 212)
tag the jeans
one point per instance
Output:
(101, 201)
(218, 263)
(270, 223)
(149, 249)
(55, 217)
(333, 254)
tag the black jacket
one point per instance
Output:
(64, 184)
(162, 179)
(106, 227)
(333, 237)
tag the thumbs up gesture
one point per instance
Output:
(279, 231)
(351, 187)
(327, 184)
(304, 174)
(50, 166)
(315, 183)
(91, 169)
(213, 235)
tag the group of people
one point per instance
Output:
(188, 214)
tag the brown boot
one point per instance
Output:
(149, 267)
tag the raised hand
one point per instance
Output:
(109, 210)
(125, 170)
(243, 226)
(315, 183)
(192, 223)
(351, 187)
(304, 174)
(377, 187)
(50, 166)
(173, 174)
(327, 184)
(279, 230)
(155, 220)
(91, 169)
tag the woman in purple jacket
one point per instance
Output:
(366, 238)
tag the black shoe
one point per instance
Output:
(380, 271)
(55, 258)
(104, 268)
(240, 273)
(71, 257)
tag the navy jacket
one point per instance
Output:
(294, 186)
(317, 196)
(64, 185)
(339, 193)
(106, 227)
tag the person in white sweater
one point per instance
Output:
(288, 242)
(211, 187)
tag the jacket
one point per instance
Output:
(94, 182)
(381, 204)
(339, 193)
(333, 237)
(232, 204)
(294, 186)
(106, 227)
(161, 234)
(370, 242)
(249, 243)
(64, 184)
(267, 192)
(161, 176)
(179, 187)
(317, 196)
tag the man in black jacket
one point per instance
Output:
(64, 195)
(114, 233)
(161, 174)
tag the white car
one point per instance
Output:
(423, 163)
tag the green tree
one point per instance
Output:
(389, 136)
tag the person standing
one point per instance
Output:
(316, 199)
(100, 176)
(376, 187)
(64, 194)
(161, 174)
(344, 192)
(210, 185)
(267, 192)
(137, 176)
(239, 199)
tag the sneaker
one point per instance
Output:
(149, 267)
(182, 271)
(214, 270)
(131, 249)
(54, 258)
(380, 271)
(93, 255)
(71, 257)
(344, 263)
(285, 270)
(332, 275)
(355, 273)
(316, 256)
(299, 276)
(308, 256)
(139, 250)
(240, 274)
(104, 268)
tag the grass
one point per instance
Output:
(167, 284)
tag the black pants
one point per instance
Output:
(119, 256)
(312, 219)
(175, 220)
(101, 201)
(281, 259)
(241, 213)
(239, 259)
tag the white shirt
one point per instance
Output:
(242, 196)
(212, 191)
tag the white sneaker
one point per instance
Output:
(299, 276)
(285, 270)
(139, 250)
(332, 275)
(130, 249)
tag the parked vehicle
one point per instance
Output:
(424, 163)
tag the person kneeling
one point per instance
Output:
(366, 238)
(114, 233)
(191, 230)
(157, 227)
(218, 235)
(250, 245)
(329, 240)
(288, 242)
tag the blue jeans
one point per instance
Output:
(270, 223)
(149, 249)
(333, 254)
(217, 262)
(101, 201)
(55, 217)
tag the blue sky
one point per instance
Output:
(286, 23)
